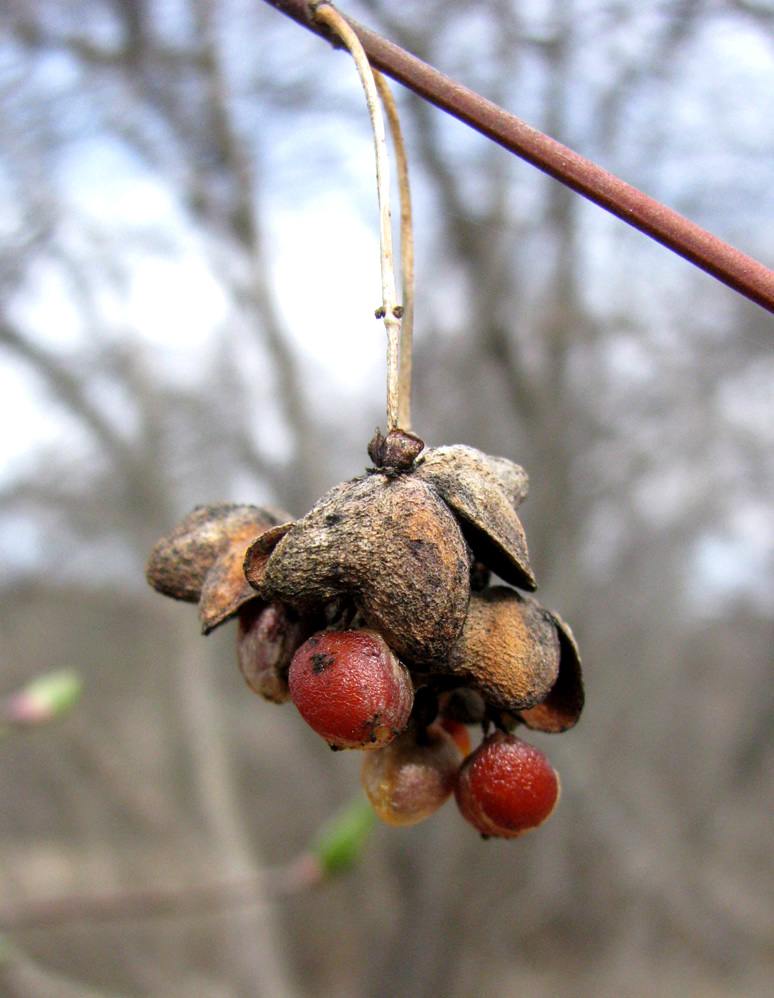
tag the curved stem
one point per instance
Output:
(406, 254)
(389, 311)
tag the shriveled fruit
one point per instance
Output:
(351, 689)
(506, 787)
(267, 638)
(412, 777)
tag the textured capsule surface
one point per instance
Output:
(392, 546)
(508, 649)
(180, 562)
(562, 706)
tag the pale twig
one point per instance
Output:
(406, 254)
(389, 310)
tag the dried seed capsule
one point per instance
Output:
(483, 492)
(411, 778)
(562, 706)
(508, 649)
(506, 787)
(180, 561)
(267, 639)
(225, 589)
(392, 546)
(351, 689)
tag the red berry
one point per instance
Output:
(506, 787)
(412, 777)
(351, 689)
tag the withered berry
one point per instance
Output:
(351, 689)
(267, 638)
(411, 778)
(506, 787)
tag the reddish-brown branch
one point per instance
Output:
(729, 265)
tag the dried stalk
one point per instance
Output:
(406, 254)
(390, 310)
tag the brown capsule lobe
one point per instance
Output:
(562, 706)
(391, 546)
(483, 493)
(225, 588)
(180, 561)
(259, 552)
(508, 649)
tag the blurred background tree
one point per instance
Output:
(187, 192)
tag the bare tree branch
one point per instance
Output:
(706, 251)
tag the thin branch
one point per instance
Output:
(21, 977)
(739, 271)
(389, 311)
(255, 294)
(161, 902)
(253, 946)
(66, 388)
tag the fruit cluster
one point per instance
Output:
(376, 615)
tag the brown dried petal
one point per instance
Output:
(508, 649)
(180, 561)
(259, 552)
(483, 492)
(393, 547)
(562, 707)
(456, 459)
(225, 588)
